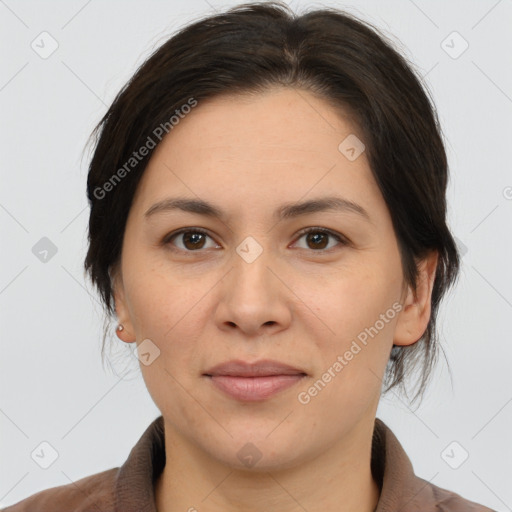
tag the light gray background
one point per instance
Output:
(53, 386)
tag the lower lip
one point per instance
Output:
(252, 389)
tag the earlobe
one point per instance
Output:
(415, 315)
(119, 329)
(122, 333)
(124, 328)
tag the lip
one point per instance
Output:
(253, 381)
(263, 368)
(254, 389)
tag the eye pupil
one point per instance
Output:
(314, 237)
(192, 237)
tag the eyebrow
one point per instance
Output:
(286, 211)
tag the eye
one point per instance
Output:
(318, 238)
(192, 239)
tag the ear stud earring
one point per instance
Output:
(120, 327)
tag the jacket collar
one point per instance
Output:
(390, 465)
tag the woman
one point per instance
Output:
(268, 224)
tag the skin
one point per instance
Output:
(300, 302)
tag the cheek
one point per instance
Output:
(353, 300)
(159, 302)
(358, 316)
(353, 359)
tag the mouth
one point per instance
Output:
(253, 381)
(264, 368)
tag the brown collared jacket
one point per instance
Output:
(130, 488)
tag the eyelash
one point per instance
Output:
(341, 239)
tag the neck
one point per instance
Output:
(337, 480)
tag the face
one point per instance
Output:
(319, 289)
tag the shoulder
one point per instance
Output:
(401, 488)
(443, 500)
(94, 492)
(127, 487)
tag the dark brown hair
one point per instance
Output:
(332, 54)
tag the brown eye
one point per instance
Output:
(317, 239)
(191, 239)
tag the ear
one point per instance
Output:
(122, 312)
(415, 315)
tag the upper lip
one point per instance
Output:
(258, 369)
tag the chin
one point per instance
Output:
(259, 452)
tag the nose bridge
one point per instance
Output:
(252, 288)
(251, 261)
(251, 296)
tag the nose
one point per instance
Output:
(254, 296)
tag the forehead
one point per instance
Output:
(285, 141)
(276, 119)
